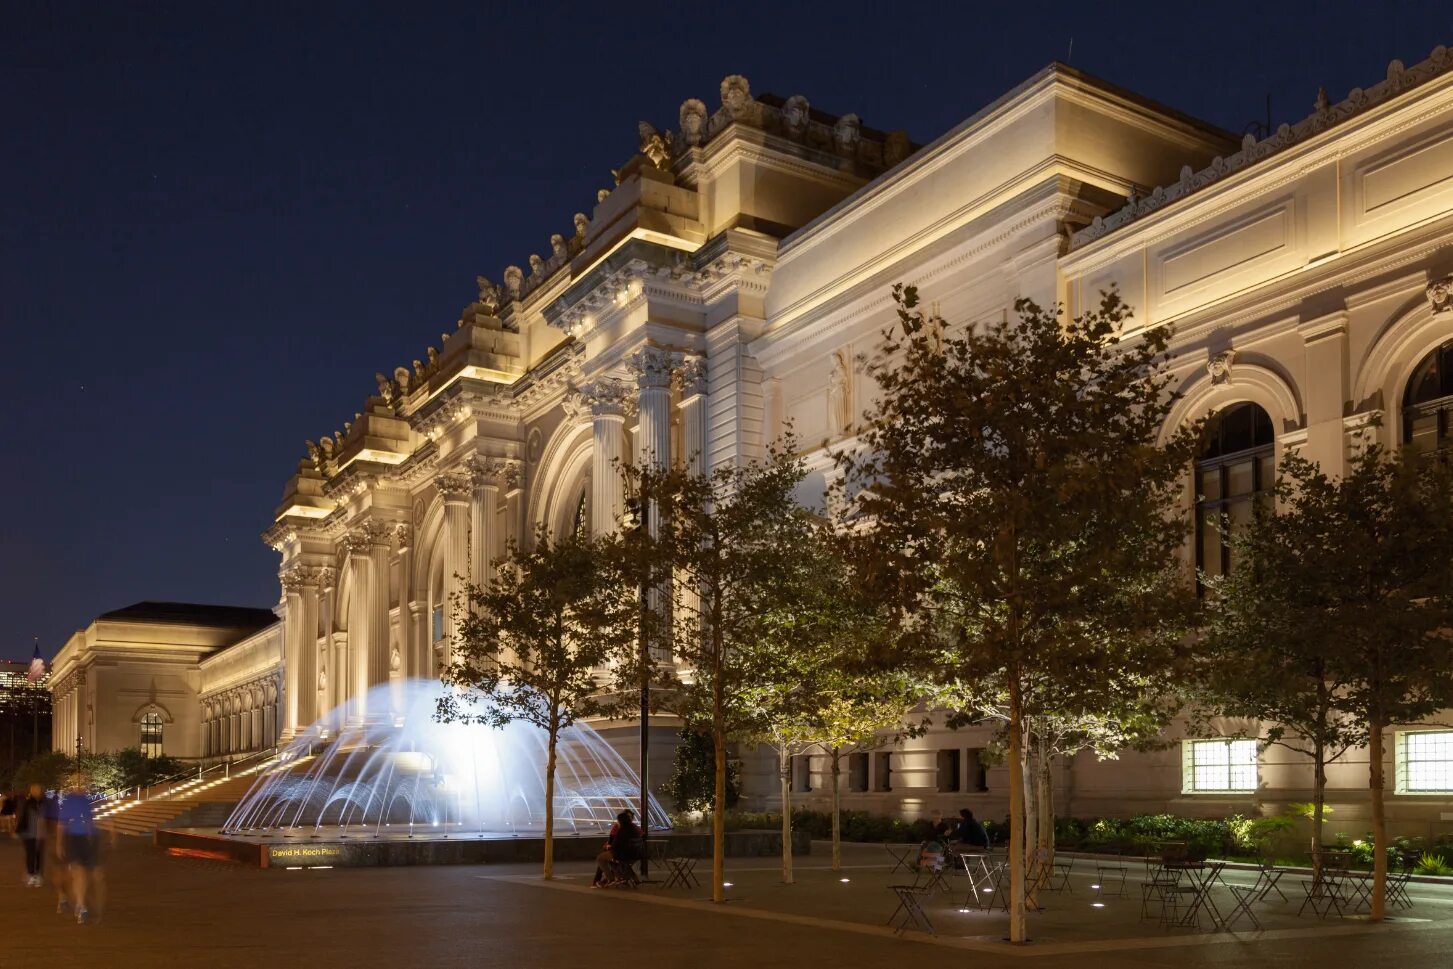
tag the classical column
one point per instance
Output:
(483, 502)
(300, 637)
(693, 415)
(368, 644)
(456, 488)
(607, 401)
(404, 535)
(312, 705)
(654, 368)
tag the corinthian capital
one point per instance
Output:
(299, 578)
(455, 485)
(367, 535)
(693, 377)
(653, 366)
(605, 397)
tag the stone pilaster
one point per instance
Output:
(368, 645)
(606, 399)
(693, 415)
(456, 488)
(300, 648)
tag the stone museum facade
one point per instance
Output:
(725, 285)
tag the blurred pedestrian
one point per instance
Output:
(55, 846)
(30, 826)
(78, 830)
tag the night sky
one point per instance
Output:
(216, 226)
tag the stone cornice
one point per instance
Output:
(1325, 117)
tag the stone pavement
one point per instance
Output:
(173, 912)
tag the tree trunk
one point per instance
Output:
(1319, 800)
(784, 771)
(1033, 875)
(1045, 797)
(1379, 822)
(718, 821)
(1017, 923)
(837, 844)
(550, 807)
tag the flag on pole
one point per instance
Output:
(37, 666)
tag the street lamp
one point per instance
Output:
(636, 527)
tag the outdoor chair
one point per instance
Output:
(1248, 895)
(682, 872)
(1109, 873)
(1397, 888)
(901, 855)
(909, 913)
(1047, 874)
(1157, 895)
(1274, 875)
(928, 870)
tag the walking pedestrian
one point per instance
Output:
(78, 830)
(30, 826)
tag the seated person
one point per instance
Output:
(970, 834)
(622, 847)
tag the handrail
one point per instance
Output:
(190, 774)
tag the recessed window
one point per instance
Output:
(151, 734)
(1425, 762)
(1234, 478)
(1428, 402)
(438, 623)
(1218, 766)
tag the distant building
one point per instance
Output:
(190, 681)
(25, 723)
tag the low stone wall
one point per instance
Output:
(362, 853)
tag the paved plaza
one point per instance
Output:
(171, 911)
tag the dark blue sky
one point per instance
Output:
(219, 221)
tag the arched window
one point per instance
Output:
(579, 526)
(1234, 476)
(151, 734)
(1428, 402)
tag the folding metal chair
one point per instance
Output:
(1049, 875)
(1106, 873)
(909, 913)
(1397, 889)
(902, 855)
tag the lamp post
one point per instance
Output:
(636, 509)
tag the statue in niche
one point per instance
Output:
(839, 394)
(395, 661)
(795, 115)
(322, 678)
(736, 97)
(693, 121)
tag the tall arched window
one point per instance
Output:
(1235, 475)
(1428, 402)
(579, 525)
(151, 734)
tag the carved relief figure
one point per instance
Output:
(693, 121)
(795, 115)
(654, 145)
(488, 294)
(839, 394)
(536, 264)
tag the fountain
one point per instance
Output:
(407, 775)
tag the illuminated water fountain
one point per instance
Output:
(411, 775)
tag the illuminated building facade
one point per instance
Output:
(725, 285)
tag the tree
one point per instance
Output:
(1023, 512)
(1259, 659)
(541, 633)
(692, 784)
(736, 542)
(1357, 574)
(51, 770)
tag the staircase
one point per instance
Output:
(200, 801)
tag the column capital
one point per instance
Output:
(360, 540)
(692, 375)
(653, 367)
(606, 397)
(300, 577)
(455, 486)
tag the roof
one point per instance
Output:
(194, 614)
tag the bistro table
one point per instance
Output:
(1200, 876)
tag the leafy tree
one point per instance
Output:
(1355, 575)
(1024, 512)
(50, 770)
(692, 784)
(539, 636)
(735, 541)
(1260, 660)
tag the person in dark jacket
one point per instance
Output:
(970, 833)
(31, 827)
(622, 846)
